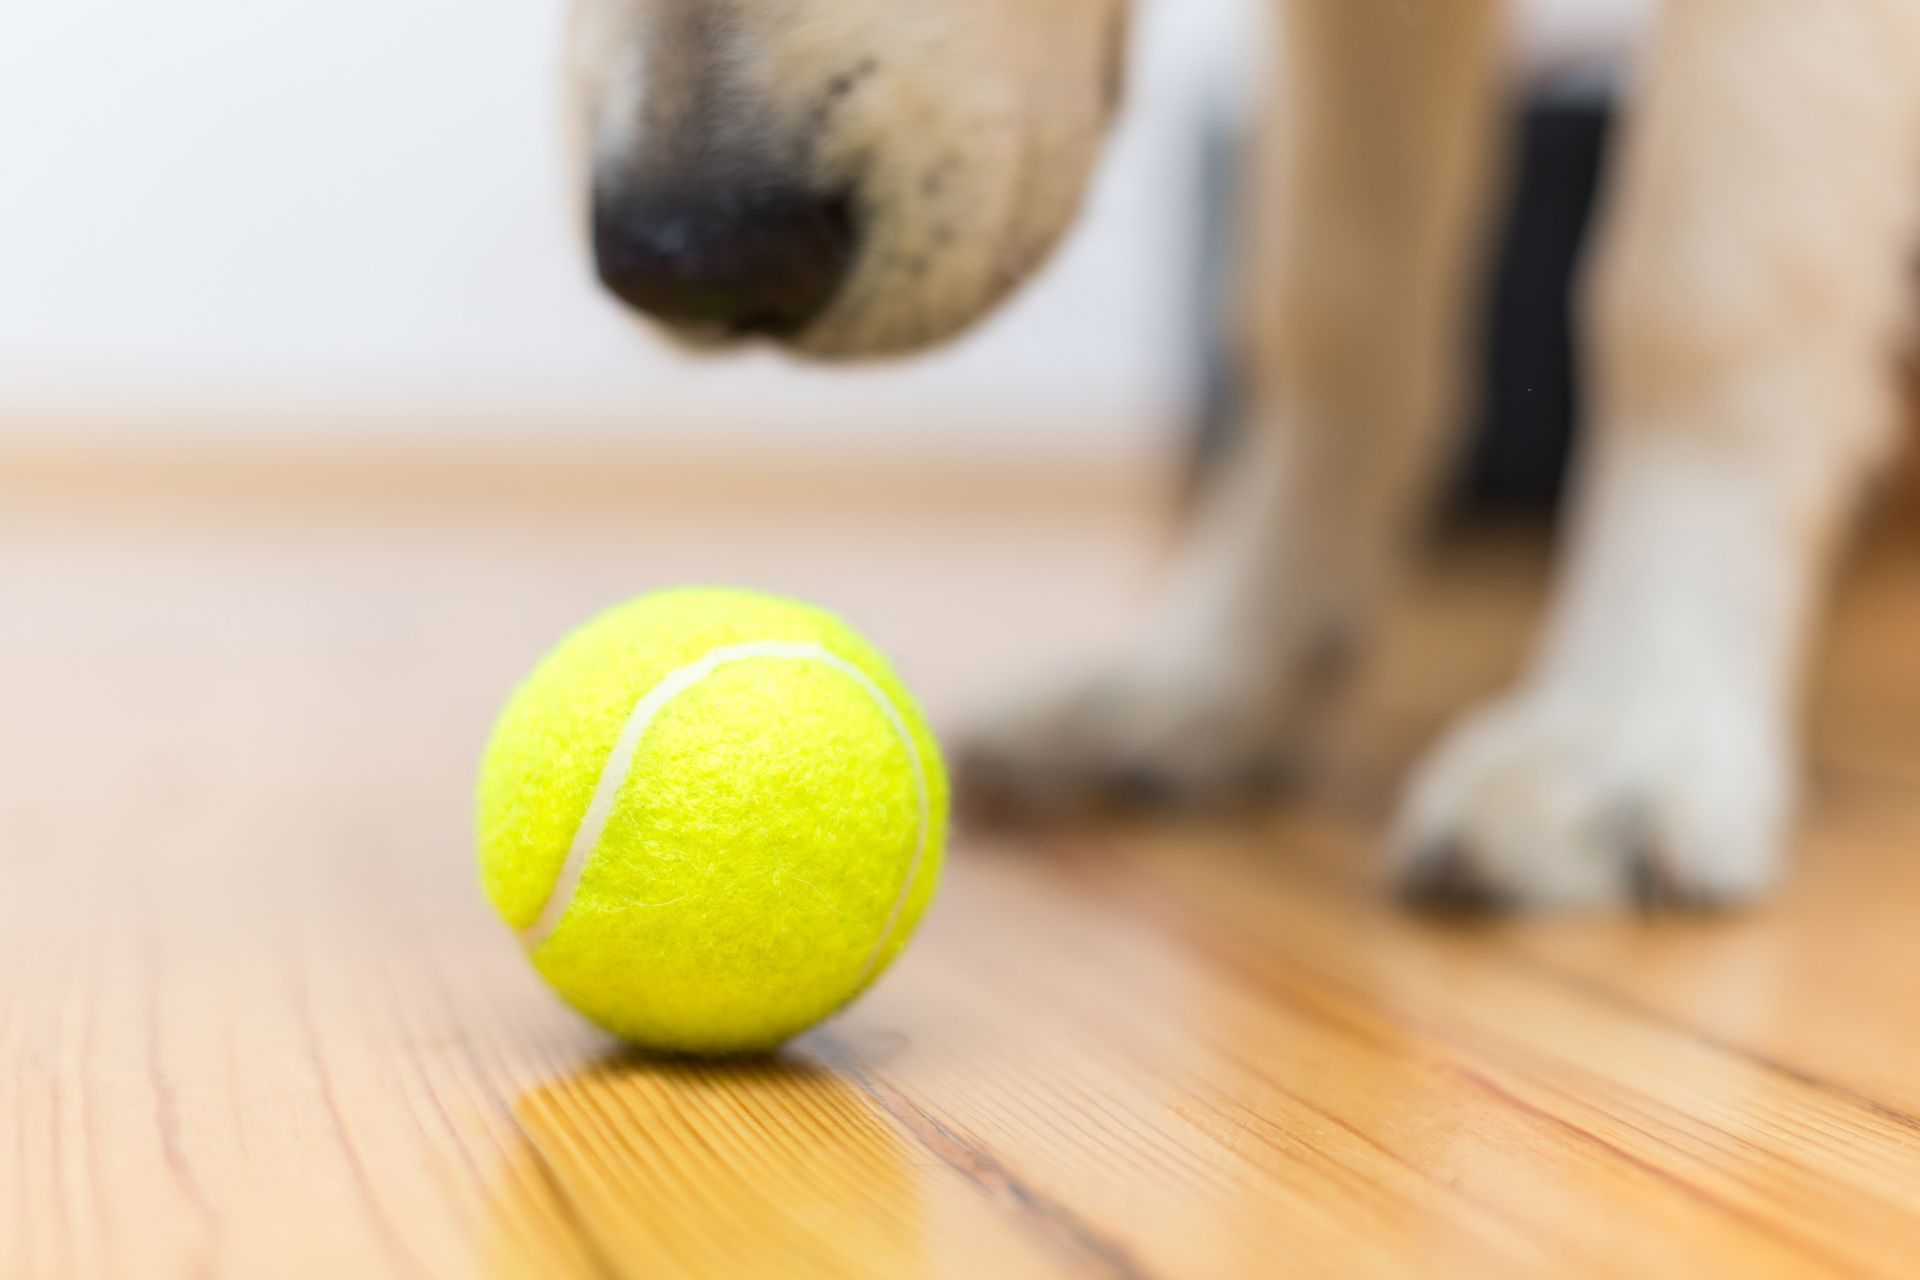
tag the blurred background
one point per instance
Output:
(345, 230)
(316, 431)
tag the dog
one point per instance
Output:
(846, 178)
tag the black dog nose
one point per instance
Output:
(747, 261)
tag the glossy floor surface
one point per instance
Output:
(255, 1018)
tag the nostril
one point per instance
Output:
(764, 260)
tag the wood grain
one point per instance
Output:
(256, 1019)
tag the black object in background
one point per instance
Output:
(1527, 414)
(1524, 406)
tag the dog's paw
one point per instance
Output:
(1135, 737)
(1557, 800)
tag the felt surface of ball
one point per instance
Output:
(715, 817)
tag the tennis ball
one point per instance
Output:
(715, 817)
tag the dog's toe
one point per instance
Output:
(1444, 879)
(1551, 802)
(1131, 743)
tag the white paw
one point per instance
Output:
(1673, 797)
(1146, 733)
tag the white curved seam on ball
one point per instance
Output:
(924, 801)
(619, 768)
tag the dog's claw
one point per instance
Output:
(1444, 880)
(1558, 803)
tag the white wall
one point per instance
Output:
(217, 210)
(350, 216)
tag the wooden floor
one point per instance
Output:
(255, 1018)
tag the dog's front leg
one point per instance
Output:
(1742, 325)
(1369, 184)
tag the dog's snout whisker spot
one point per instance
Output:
(839, 88)
(844, 83)
(934, 181)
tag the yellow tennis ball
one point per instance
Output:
(714, 817)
